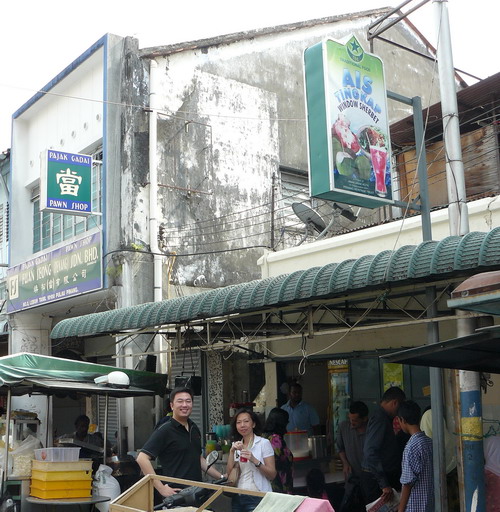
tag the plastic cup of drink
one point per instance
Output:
(243, 459)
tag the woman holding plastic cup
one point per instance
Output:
(255, 457)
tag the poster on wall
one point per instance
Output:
(393, 375)
(339, 392)
(347, 124)
(62, 273)
(66, 183)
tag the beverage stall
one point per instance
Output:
(34, 374)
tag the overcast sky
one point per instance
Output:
(39, 39)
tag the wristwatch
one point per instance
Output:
(258, 465)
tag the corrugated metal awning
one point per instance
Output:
(453, 255)
(479, 352)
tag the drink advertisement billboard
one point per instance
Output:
(348, 126)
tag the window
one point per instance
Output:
(294, 185)
(52, 228)
(294, 189)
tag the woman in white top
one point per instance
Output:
(255, 456)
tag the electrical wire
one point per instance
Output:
(185, 230)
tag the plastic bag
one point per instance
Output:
(7, 504)
(22, 456)
(385, 506)
(105, 485)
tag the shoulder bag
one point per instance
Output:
(233, 477)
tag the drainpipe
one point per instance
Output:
(457, 197)
(153, 209)
(471, 439)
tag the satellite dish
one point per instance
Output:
(309, 217)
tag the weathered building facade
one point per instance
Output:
(216, 128)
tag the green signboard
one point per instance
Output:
(66, 183)
(66, 272)
(348, 127)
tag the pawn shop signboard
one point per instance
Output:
(66, 183)
(347, 121)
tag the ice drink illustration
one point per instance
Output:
(373, 142)
(379, 161)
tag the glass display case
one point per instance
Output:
(19, 429)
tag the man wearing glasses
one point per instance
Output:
(177, 445)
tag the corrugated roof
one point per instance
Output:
(477, 104)
(471, 252)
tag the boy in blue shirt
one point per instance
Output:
(417, 477)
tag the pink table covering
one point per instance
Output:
(315, 505)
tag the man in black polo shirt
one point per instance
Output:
(177, 444)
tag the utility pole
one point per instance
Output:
(153, 214)
(470, 393)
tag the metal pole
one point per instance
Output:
(7, 435)
(471, 430)
(470, 392)
(437, 407)
(435, 374)
(105, 443)
(273, 184)
(441, 503)
(425, 210)
(153, 211)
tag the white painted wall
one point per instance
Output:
(484, 214)
(30, 333)
(68, 119)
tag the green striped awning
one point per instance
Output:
(474, 252)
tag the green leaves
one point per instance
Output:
(363, 166)
(345, 164)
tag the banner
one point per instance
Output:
(65, 272)
(348, 127)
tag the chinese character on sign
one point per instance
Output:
(69, 182)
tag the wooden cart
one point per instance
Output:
(140, 497)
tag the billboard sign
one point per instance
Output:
(348, 126)
(66, 272)
(66, 183)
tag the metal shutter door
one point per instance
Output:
(181, 361)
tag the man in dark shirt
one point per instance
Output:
(177, 445)
(350, 442)
(381, 454)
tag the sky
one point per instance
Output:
(39, 39)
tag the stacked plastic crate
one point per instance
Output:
(57, 473)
